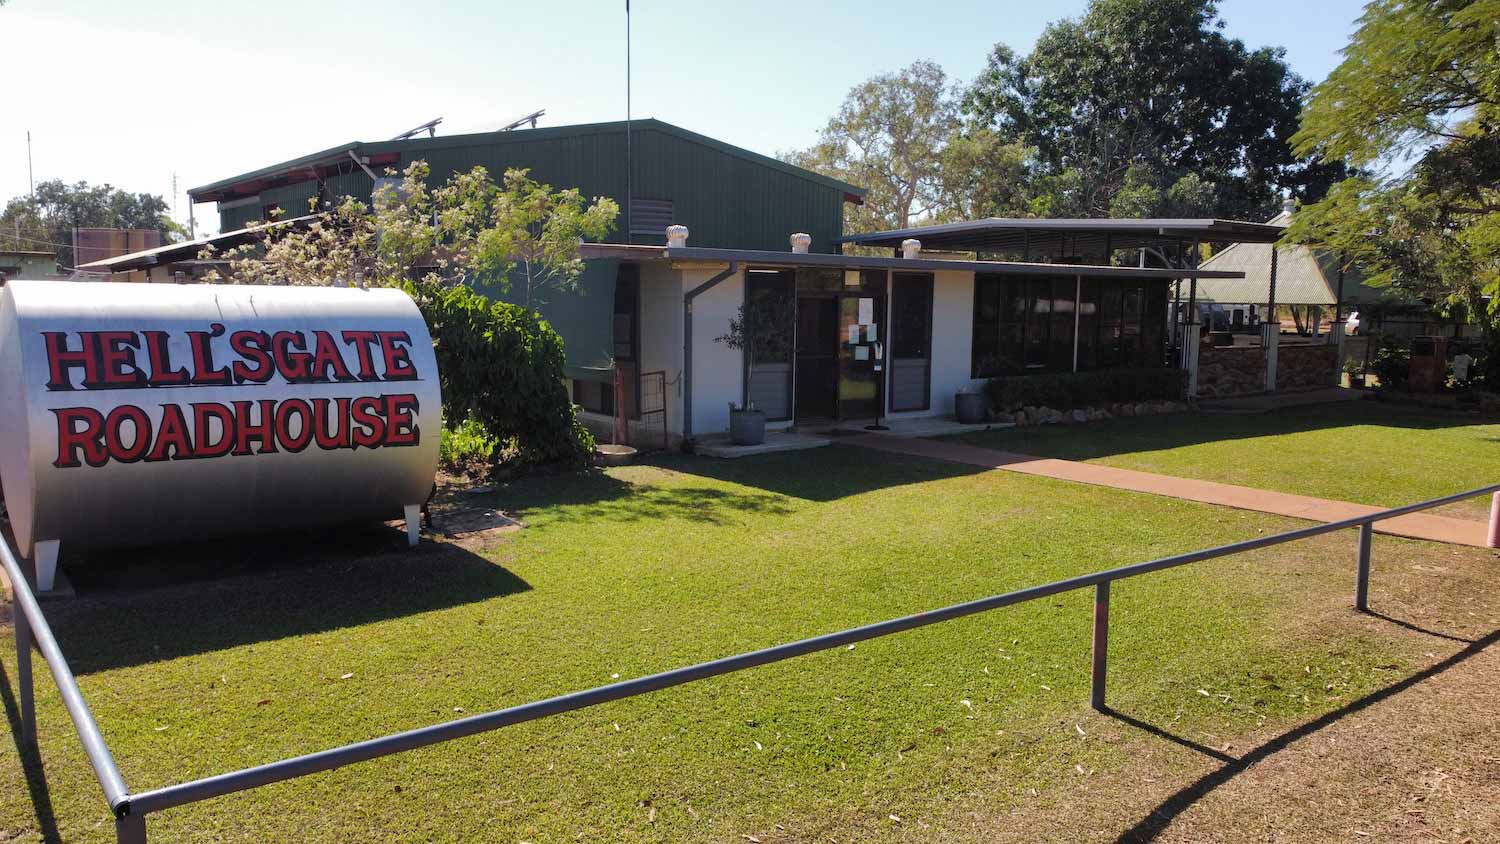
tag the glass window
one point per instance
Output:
(1088, 325)
(911, 316)
(772, 293)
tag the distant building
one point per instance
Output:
(25, 263)
(1311, 287)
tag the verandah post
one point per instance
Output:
(1101, 646)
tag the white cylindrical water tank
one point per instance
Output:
(133, 414)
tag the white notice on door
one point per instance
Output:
(861, 352)
(854, 334)
(866, 311)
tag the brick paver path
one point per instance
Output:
(1413, 526)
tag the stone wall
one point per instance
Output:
(1306, 367)
(1225, 371)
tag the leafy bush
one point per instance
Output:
(1392, 363)
(1068, 390)
(501, 367)
(469, 449)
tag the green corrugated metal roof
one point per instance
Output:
(340, 151)
(423, 145)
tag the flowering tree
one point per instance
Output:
(469, 229)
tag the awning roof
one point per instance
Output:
(817, 259)
(173, 253)
(1069, 236)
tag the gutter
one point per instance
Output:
(687, 343)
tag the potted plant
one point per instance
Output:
(1355, 371)
(763, 329)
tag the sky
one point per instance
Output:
(131, 93)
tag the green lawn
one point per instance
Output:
(645, 568)
(1366, 452)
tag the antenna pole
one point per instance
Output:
(30, 176)
(628, 159)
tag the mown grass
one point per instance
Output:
(1366, 452)
(641, 569)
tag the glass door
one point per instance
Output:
(911, 341)
(861, 357)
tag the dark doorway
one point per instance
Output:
(817, 357)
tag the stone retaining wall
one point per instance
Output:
(1306, 367)
(1225, 371)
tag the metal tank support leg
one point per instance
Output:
(44, 556)
(413, 524)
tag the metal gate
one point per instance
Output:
(653, 427)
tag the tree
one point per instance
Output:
(890, 137)
(46, 220)
(1419, 80)
(1138, 95)
(466, 230)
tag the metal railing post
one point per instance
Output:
(1493, 540)
(1101, 646)
(1362, 576)
(130, 829)
(26, 689)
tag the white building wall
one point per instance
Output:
(661, 333)
(718, 372)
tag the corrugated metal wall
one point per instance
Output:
(291, 199)
(238, 217)
(355, 184)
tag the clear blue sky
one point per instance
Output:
(131, 92)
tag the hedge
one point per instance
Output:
(501, 365)
(1069, 390)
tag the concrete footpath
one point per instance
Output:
(1411, 526)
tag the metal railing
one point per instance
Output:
(131, 810)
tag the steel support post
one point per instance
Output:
(130, 829)
(1494, 536)
(26, 690)
(1362, 578)
(1101, 645)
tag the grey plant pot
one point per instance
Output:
(747, 427)
(969, 408)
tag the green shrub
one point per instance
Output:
(501, 368)
(1392, 363)
(469, 449)
(1068, 390)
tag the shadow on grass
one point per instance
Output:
(1128, 435)
(821, 474)
(595, 496)
(1157, 821)
(144, 605)
(31, 763)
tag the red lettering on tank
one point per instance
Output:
(75, 440)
